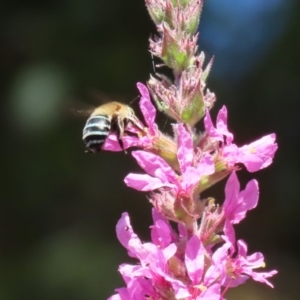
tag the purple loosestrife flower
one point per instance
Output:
(240, 267)
(227, 156)
(150, 138)
(237, 203)
(164, 273)
(198, 257)
(180, 267)
(216, 220)
(179, 189)
(186, 101)
(199, 260)
(162, 175)
(255, 156)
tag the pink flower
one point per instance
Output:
(221, 130)
(238, 266)
(161, 273)
(259, 154)
(204, 285)
(161, 232)
(255, 156)
(149, 112)
(237, 203)
(162, 175)
(153, 262)
(147, 108)
(176, 267)
(241, 267)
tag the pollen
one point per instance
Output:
(252, 150)
(201, 287)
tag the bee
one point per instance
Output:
(107, 118)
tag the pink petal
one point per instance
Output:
(131, 141)
(161, 234)
(190, 179)
(194, 259)
(209, 127)
(123, 294)
(169, 251)
(220, 130)
(248, 200)
(185, 152)
(231, 282)
(212, 293)
(192, 176)
(222, 125)
(232, 189)
(217, 271)
(143, 90)
(242, 248)
(221, 254)
(237, 204)
(261, 277)
(135, 290)
(144, 182)
(151, 255)
(180, 292)
(112, 144)
(156, 259)
(156, 216)
(259, 154)
(147, 287)
(206, 165)
(256, 260)
(231, 154)
(229, 233)
(250, 194)
(182, 230)
(127, 237)
(180, 289)
(115, 297)
(147, 108)
(155, 166)
(130, 271)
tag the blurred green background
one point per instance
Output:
(59, 206)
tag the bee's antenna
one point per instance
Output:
(134, 99)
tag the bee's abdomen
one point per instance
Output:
(95, 132)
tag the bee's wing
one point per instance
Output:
(98, 97)
(81, 112)
(79, 108)
(101, 98)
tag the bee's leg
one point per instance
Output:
(119, 136)
(120, 132)
(136, 122)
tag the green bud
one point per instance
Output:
(194, 112)
(173, 56)
(191, 25)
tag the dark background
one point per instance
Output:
(59, 206)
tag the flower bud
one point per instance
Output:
(192, 16)
(156, 10)
(186, 101)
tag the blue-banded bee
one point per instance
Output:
(107, 118)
